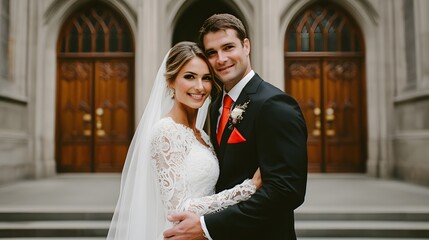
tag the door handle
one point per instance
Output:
(86, 118)
(317, 123)
(330, 117)
(98, 122)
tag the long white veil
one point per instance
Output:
(139, 213)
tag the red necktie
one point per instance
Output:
(227, 102)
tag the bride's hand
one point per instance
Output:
(257, 179)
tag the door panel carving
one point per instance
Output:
(94, 114)
(329, 93)
(113, 104)
(305, 85)
(74, 104)
(343, 116)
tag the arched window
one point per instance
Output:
(95, 30)
(323, 29)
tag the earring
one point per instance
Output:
(171, 92)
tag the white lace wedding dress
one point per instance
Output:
(187, 171)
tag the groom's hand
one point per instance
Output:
(188, 228)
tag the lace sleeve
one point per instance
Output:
(169, 147)
(219, 201)
(168, 152)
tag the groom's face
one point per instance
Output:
(228, 56)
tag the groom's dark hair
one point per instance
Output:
(224, 21)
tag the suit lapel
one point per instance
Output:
(214, 115)
(250, 88)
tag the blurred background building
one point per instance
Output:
(75, 77)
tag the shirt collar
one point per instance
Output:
(234, 93)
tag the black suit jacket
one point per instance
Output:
(276, 141)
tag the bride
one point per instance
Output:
(171, 165)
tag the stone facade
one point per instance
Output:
(396, 40)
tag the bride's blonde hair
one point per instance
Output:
(179, 55)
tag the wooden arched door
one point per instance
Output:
(95, 75)
(324, 71)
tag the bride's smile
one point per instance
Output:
(198, 96)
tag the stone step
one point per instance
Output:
(314, 225)
(316, 238)
(15, 216)
(304, 238)
(366, 215)
(371, 215)
(305, 229)
(351, 238)
(50, 229)
(362, 229)
(55, 238)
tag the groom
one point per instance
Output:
(265, 129)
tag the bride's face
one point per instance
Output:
(193, 83)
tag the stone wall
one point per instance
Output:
(15, 162)
(410, 137)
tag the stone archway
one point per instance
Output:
(191, 17)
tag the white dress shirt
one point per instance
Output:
(235, 92)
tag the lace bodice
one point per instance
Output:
(187, 171)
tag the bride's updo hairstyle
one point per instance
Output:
(179, 55)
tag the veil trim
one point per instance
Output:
(139, 213)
